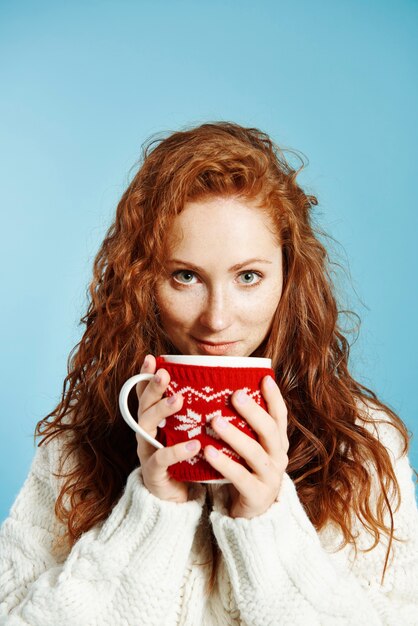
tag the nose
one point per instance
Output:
(217, 311)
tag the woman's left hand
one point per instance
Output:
(252, 494)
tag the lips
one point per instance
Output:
(214, 343)
(210, 347)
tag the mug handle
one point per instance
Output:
(123, 405)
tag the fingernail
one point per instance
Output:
(212, 451)
(270, 381)
(192, 445)
(242, 397)
(146, 363)
(157, 379)
(172, 399)
(221, 423)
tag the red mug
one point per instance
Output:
(206, 384)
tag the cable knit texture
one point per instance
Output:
(145, 564)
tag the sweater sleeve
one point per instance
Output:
(132, 562)
(283, 572)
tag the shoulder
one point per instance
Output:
(50, 459)
(381, 425)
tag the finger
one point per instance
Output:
(276, 407)
(261, 422)
(239, 476)
(154, 390)
(148, 367)
(157, 414)
(164, 457)
(153, 417)
(248, 448)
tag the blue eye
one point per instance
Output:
(249, 278)
(186, 275)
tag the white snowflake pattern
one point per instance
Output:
(192, 422)
(205, 393)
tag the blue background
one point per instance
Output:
(85, 83)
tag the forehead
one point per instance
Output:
(222, 224)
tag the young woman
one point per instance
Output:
(213, 251)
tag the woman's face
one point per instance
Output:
(224, 278)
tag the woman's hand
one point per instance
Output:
(252, 494)
(153, 408)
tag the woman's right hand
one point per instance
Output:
(153, 408)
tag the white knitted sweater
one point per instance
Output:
(144, 564)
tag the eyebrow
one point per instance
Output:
(234, 268)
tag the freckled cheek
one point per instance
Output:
(165, 306)
(261, 309)
(260, 318)
(259, 323)
(271, 306)
(174, 311)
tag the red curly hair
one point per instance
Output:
(329, 448)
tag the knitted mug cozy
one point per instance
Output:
(207, 394)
